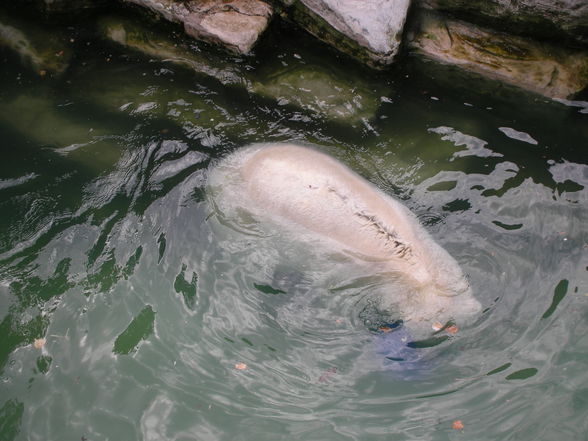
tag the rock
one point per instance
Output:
(370, 30)
(320, 91)
(233, 24)
(158, 45)
(328, 92)
(555, 72)
(41, 121)
(150, 97)
(537, 18)
(45, 52)
(237, 24)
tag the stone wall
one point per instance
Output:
(538, 45)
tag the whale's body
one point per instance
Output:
(302, 189)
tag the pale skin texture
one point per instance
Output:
(298, 187)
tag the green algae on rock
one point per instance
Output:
(320, 91)
(327, 92)
(537, 18)
(66, 133)
(555, 72)
(158, 45)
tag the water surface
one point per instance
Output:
(110, 252)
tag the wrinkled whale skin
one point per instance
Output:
(301, 187)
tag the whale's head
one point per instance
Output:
(445, 295)
(436, 304)
(442, 297)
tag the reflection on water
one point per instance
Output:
(109, 253)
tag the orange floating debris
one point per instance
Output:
(39, 343)
(457, 425)
(437, 326)
(452, 329)
(240, 366)
(327, 374)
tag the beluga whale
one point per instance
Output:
(304, 193)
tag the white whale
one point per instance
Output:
(303, 190)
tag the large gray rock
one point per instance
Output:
(233, 24)
(370, 30)
(538, 18)
(556, 72)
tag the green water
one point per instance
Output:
(109, 251)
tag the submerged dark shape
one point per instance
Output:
(394, 344)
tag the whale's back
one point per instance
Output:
(313, 190)
(303, 189)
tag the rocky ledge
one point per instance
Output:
(472, 36)
(556, 72)
(537, 45)
(323, 92)
(370, 30)
(234, 24)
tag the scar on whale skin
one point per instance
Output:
(302, 189)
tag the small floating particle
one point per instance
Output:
(42, 72)
(452, 329)
(437, 326)
(327, 374)
(240, 366)
(457, 425)
(59, 54)
(39, 343)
